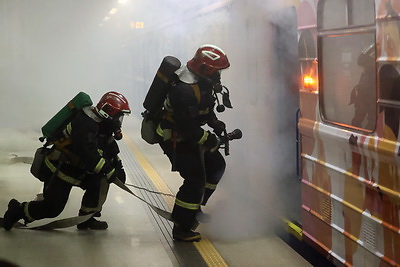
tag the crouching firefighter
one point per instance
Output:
(192, 150)
(85, 154)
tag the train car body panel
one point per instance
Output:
(349, 54)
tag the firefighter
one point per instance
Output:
(84, 155)
(191, 149)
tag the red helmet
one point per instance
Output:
(113, 104)
(207, 60)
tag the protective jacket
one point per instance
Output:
(187, 108)
(86, 147)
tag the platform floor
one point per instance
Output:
(137, 236)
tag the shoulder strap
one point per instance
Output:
(196, 90)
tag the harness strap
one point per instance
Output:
(196, 90)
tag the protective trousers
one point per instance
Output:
(56, 193)
(200, 180)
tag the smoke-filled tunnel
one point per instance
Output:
(51, 50)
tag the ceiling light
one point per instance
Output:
(113, 11)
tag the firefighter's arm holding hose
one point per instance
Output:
(86, 146)
(223, 137)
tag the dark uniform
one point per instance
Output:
(84, 155)
(188, 107)
(82, 159)
(191, 149)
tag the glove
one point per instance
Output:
(212, 142)
(218, 126)
(111, 175)
(121, 175)
(109, 172)
(119, 169)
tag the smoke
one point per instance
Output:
(53, 50)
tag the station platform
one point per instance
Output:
(137, 236)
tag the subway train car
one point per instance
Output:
(349, 54)
(345, 195)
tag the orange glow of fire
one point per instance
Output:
(308, 81)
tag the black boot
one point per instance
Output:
(184, 234)
(14, 213)
(92, 223)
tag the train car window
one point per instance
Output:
(388, 79)
(362, 12)
(306, 45)
(347, 64)
(308, 62)
(389, 100)
(333, 14)
(389, 32)
(349, 80)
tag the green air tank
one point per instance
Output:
(64, 116)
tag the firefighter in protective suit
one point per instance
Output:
(85, 155)
(191, 149)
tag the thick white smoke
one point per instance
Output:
(52, 50)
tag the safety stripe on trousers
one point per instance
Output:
(208, 252)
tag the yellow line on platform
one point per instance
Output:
(206, 249)
(150, 172)
(209, 253)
